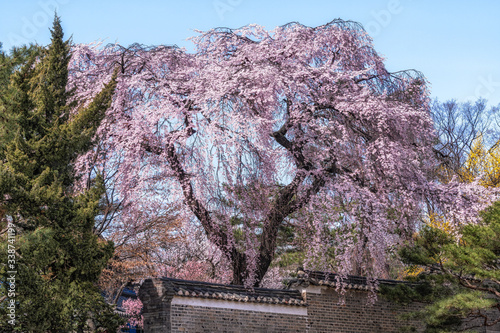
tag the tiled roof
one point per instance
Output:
(199, 289)
(121, 313)
(334, 280)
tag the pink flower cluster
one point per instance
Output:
(260, 127)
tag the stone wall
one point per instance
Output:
(328, 313)
(310, 305)
(172, 305)
(187, 318)
(156, 301)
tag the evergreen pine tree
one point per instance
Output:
(9, 63)
(57, 259)
(459, 278)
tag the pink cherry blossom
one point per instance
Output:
(262, 127)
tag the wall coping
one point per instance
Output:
(308, 278)
(248, 306)
(206, 290)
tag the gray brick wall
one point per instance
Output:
(187, 318)
(156, 306)
(167, 309)
(325, 314)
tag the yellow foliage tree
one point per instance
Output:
(483, 163)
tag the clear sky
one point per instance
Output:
(455, 43)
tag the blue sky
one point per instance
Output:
(456, 44)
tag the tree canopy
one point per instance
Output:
(256, 128)
(49, 255)
(459, 279)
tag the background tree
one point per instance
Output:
(461, 278)
(58, 257)
(302, 118)
(137, 248)
(467, 148)
(465, 134)
(483, 164)
(161, 247)
(458, 127)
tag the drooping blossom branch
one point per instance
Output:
(258, 126)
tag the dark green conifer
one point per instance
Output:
(461, 277)
(58, 257)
